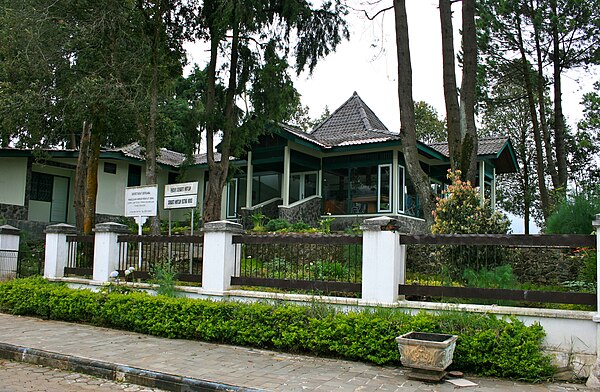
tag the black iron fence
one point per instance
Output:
(313, 262)
(501, 269)
(80, 255)
(27, 261)
(144, 253)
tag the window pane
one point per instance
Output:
(385, 176)
(231, 198)
(401, 193)
(335, 192)
(364, 190)
(134, 175)
(295, 188)
(41, 186)
(310, 184)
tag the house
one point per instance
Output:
(349, 166)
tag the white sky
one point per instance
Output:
(367, 64)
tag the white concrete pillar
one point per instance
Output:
(9, 251)
(384, 260)
(593, 380)
(57, 249)
(285, 181)
(220, 258)
(106, 249)
(249, 176)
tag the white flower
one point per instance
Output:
(114, 274)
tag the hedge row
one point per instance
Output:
(486, 346)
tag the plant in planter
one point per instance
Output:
(427, 354)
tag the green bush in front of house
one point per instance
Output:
(486, 345)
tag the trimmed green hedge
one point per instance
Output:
(486, 345)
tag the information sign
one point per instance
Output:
(141, 200)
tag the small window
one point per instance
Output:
(110, 168)
(41, 186)
(134, 175)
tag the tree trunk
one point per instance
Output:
(217, 175)
(80, 176)
(559, 120)
(91, 184)
(212, 200)
(450, 90)
(542, 102)
(545, 200)
(468, 157)
(407, 113)
(151, 167)
(525, 182)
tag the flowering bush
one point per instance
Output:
(461, 212)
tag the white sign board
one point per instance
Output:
(184, 195)
(185, 188)
(184, 201)
(141, 200)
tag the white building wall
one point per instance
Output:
(13, 174)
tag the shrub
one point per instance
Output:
(574, 216)
(460, 212)
(164, 275)
(277, 224)
(486, 345)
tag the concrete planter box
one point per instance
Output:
(427, 354)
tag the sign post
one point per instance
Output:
(183, 195)
(140, 203)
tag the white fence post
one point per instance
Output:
(57, 249)
(219, 257)
(593, 380)
(106, 249)
(9, 242)
(384, 260)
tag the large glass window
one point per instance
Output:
(302, 185)
(359, 190)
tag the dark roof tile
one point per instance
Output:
(485, 146)
(352, 123)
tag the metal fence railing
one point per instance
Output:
(80, 255)
(27, 261)
(313, 262)
(501, 269)
(144, 253)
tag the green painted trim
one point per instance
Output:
(262, 161)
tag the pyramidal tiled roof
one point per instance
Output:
(352, 123)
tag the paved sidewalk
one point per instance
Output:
(24, 377)
(196, 366)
